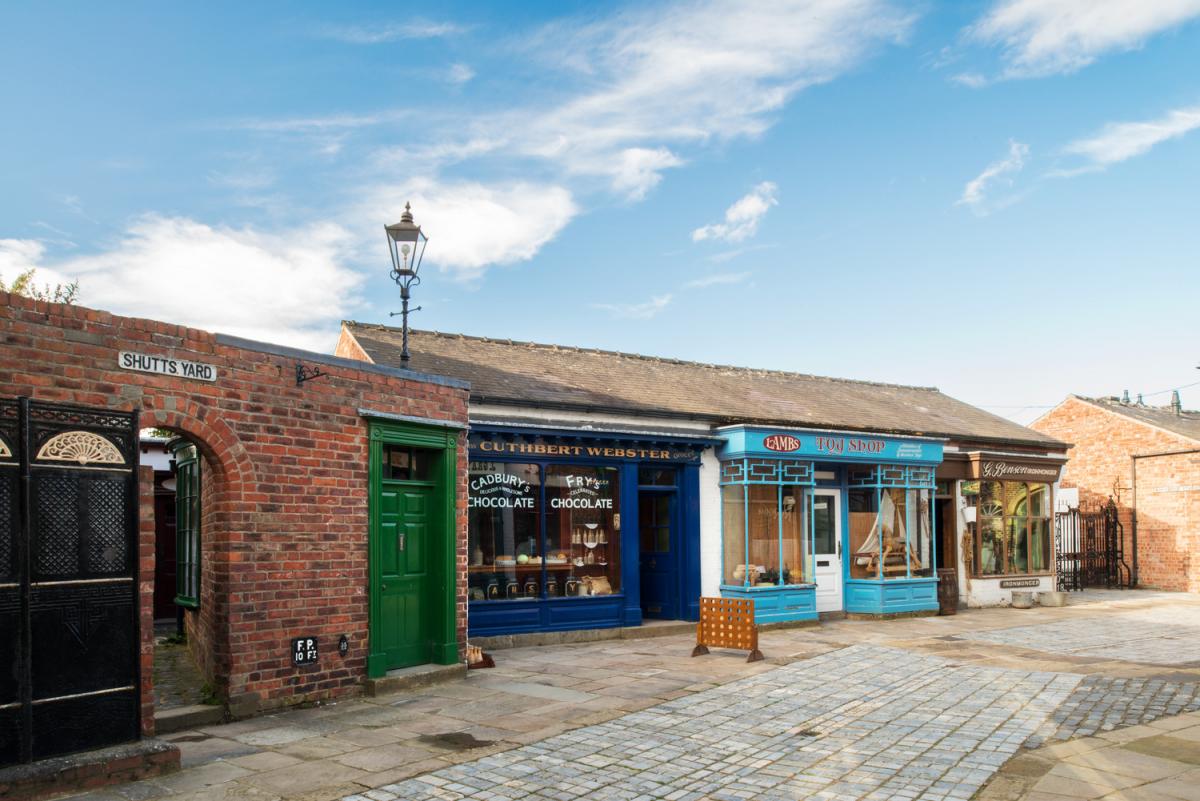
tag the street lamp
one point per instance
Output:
(407, 245)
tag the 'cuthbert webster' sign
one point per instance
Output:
(162, 365)
(489, 446)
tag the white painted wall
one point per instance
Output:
(710, 524)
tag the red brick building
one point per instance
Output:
(313, 471)
(1147, 459)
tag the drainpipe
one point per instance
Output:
(1133, 512)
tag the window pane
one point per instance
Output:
(991, 546)
(1039, 544)
(654, 521)
(920, 533)
(733, 531)
(894, 523)
(1018, 544)
(503, 531)
(402, 463)
(583, 542)
(1039, 500)
(796, 562)
(991, 499)
(864, 533)
(1016, 498)
(764, 534)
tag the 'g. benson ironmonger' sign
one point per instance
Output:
(163, 365)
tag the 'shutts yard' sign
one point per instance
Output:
(163, 365)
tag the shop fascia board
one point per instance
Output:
(552, 430)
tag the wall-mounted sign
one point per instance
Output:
(833, 447)
(164, 365)
(781, 442)
(304, 651)
(490, 446)
(1030, 582)
(990, 469)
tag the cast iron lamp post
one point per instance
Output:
(407, 246)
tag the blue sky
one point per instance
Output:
(997, 198)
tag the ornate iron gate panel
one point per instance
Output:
(69, 599)
(1089, 548)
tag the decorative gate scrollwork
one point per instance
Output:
(69, 630)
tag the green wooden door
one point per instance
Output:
(413, 546)
(406, 596)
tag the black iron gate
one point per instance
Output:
(69, 630)
(1089, 548)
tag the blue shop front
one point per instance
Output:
(576, 530)
(823, 521)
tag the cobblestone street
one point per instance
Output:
(1102, 696)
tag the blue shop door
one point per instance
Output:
(659, 539)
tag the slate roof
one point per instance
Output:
(524, 373)
(1185, 424)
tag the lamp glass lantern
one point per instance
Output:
(406, 243)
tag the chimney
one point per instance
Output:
(1140, 401)
(1176, 404)
(1125, 396)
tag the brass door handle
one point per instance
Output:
(400, 541)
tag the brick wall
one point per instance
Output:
(285, 492)
(1099, 465)
(146, 594)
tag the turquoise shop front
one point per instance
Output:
(827, 521)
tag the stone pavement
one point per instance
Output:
(1156, 762)
(915, 708)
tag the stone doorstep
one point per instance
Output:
(88, 770)
(168, 721)
(408, 678)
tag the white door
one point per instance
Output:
(827, 549)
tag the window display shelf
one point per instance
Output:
(522, 568)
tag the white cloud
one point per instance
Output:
(1124, 140)
(692, 72)
(390, 32)
(975, 192)
(742, 218)
(459, 74)
(1047, 37)
(971, 80)
(716, 279)
(636, 311)
(472, 225)
(289, 287)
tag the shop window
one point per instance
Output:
(891, 523)
(1010, 523)
(503, 530)
(187, 525)
(583, 542)
(408, 464)
(767, 534)
(654, 521)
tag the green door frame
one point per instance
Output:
(444, 631)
